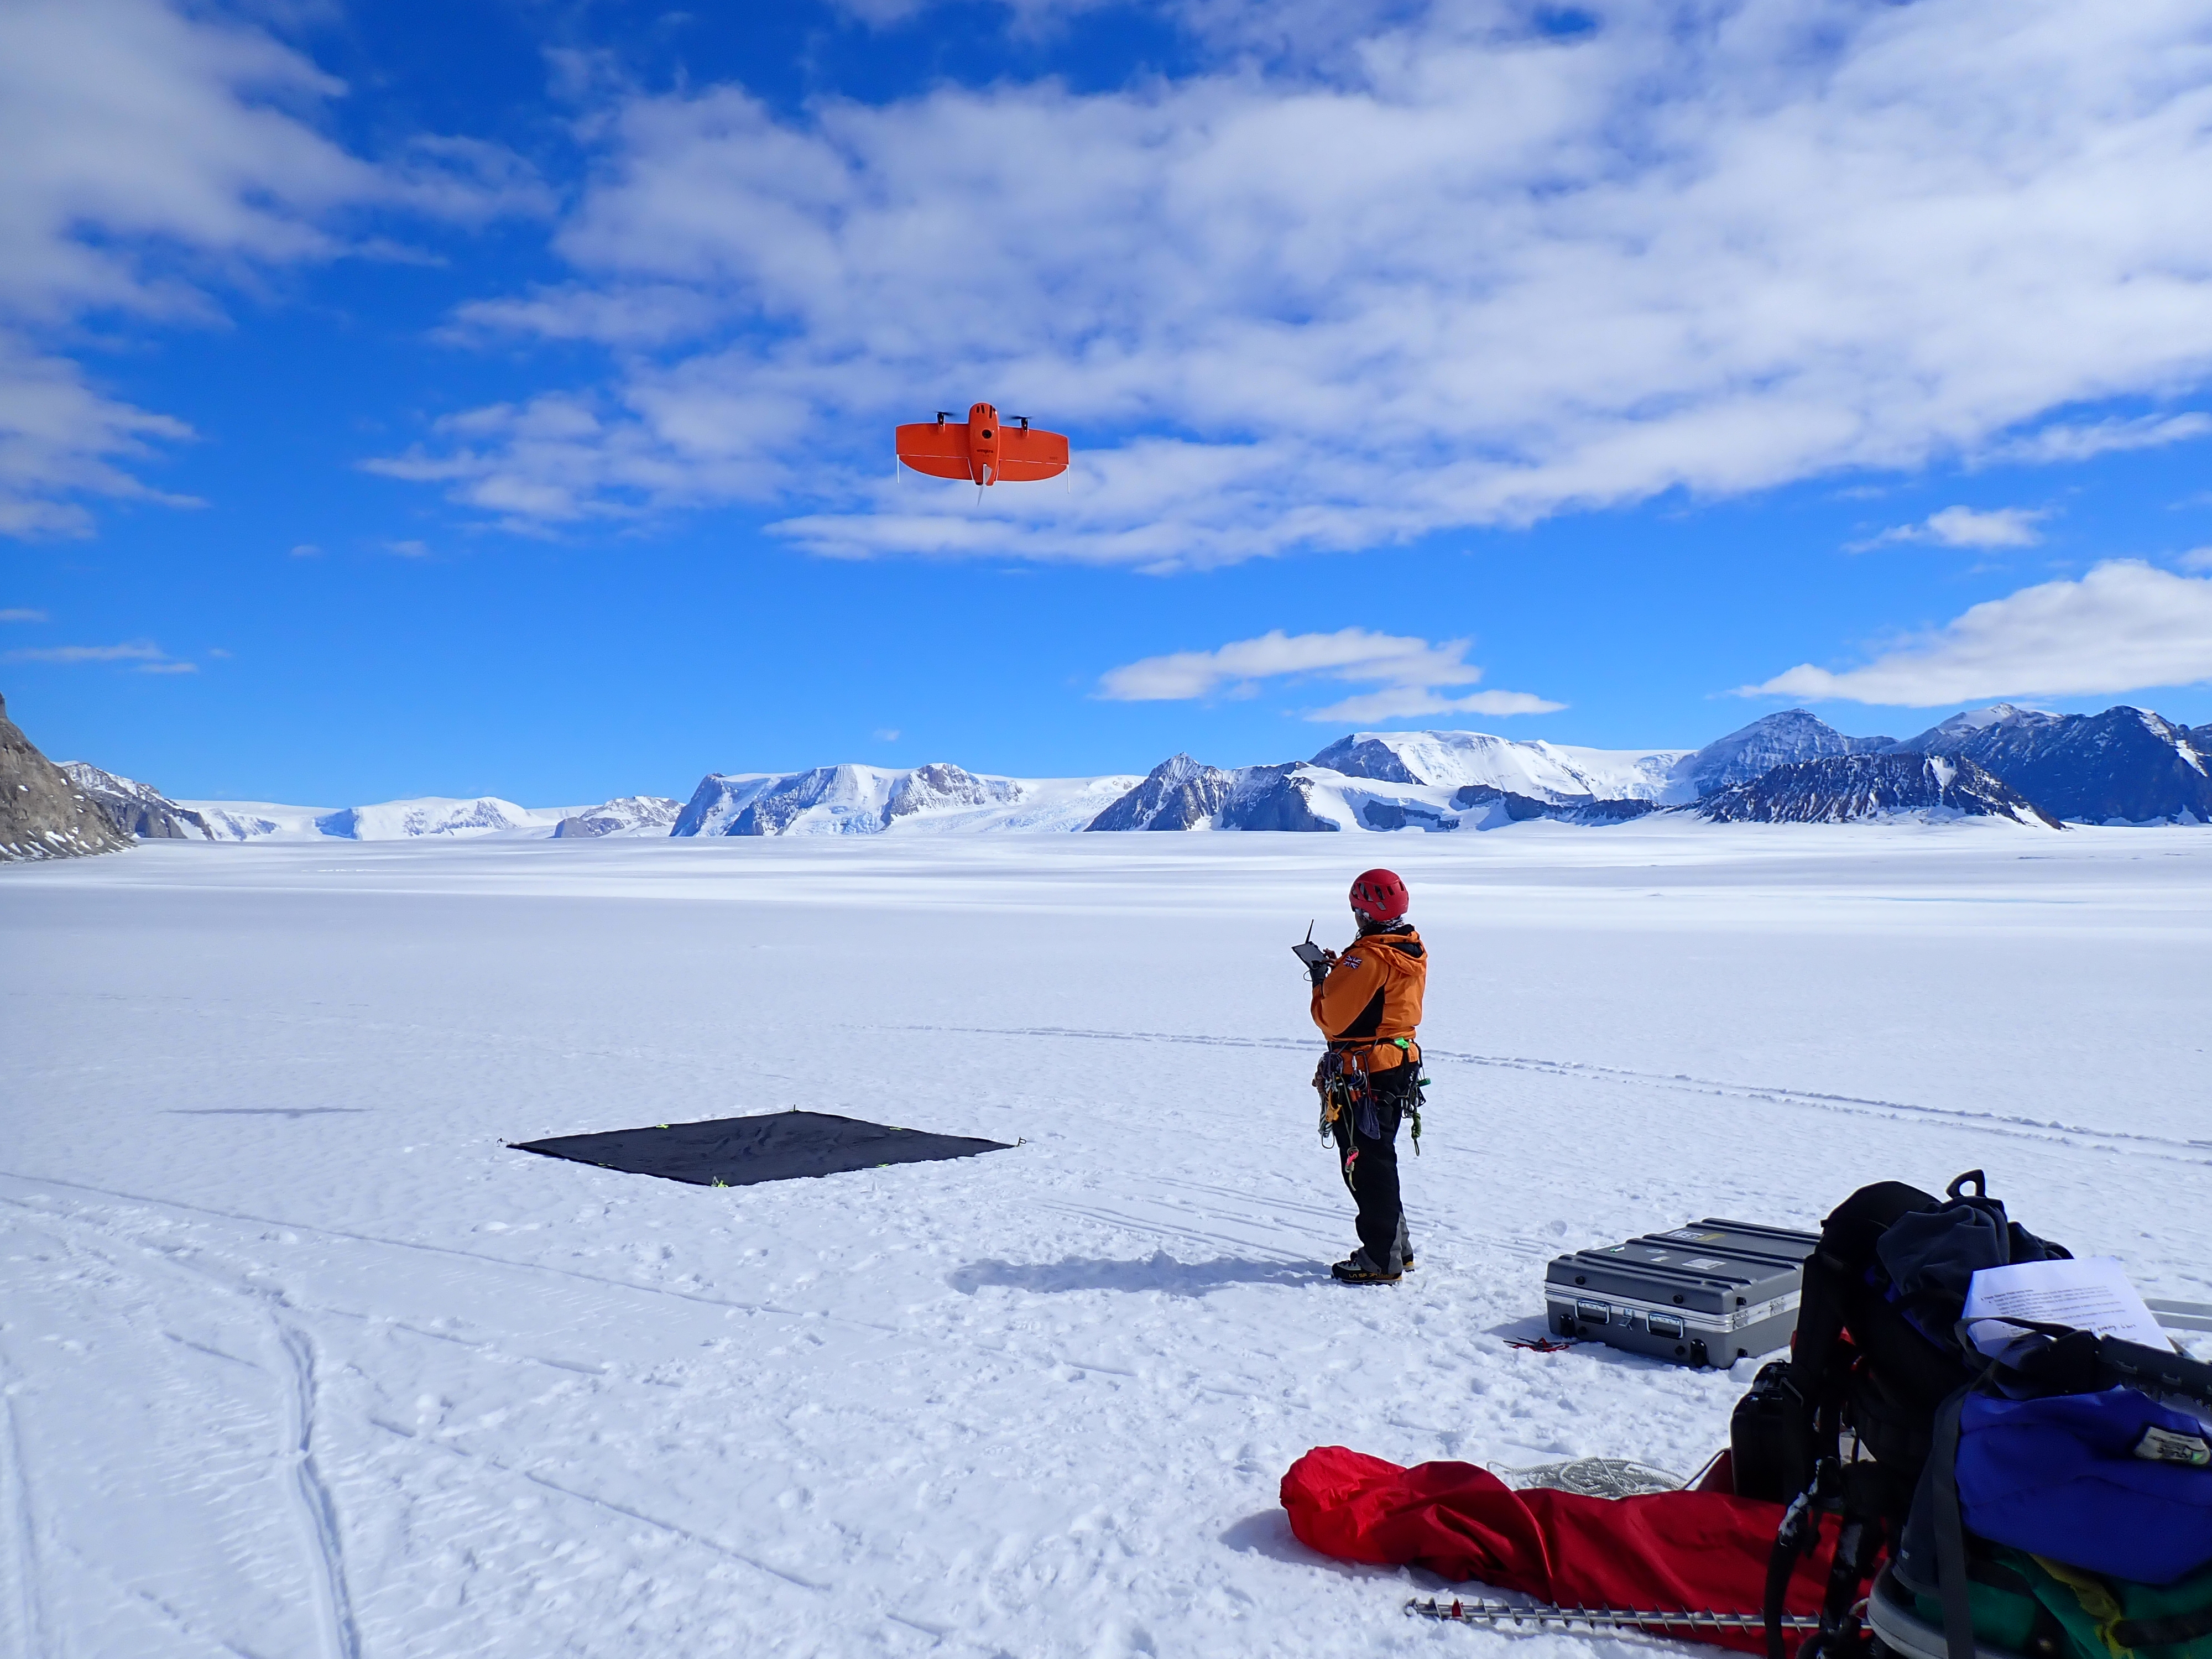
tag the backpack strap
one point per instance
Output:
(1994, 1208)
(1951, 1581)
(1799, 1533)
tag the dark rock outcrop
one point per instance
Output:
(42, 814)
(1605, 811)
(1867, 788)
(1520, 808)
(1403, 815)
(1517, 808)
(624, 815)
(1272, 797)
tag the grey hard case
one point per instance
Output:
(1706, 1293)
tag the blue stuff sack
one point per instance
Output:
(2060, 1478)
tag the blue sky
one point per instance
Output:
(495, 396)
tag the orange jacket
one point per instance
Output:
(1372, 995)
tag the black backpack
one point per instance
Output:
(1845, 1426)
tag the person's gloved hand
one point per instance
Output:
(1319, 970)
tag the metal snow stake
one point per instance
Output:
(1543, 1614)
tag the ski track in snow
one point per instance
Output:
(1995, 1122)
(26, 1605)
(296, 1358)
(328, 1552)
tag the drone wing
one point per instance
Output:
(938, 448)
(1028, 454)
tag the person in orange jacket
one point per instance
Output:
(1367, 1001)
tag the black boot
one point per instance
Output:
(1360, 1268)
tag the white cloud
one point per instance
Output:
(307, 550)
(1407, 671)
(1456, 272)
(2125, 626)
(1285, 31)
(139, 651)
(2197, 558)
(409, 550)
(59, 436)
(19, 614)
(1350, 653)
(2081, 443)
(151, 153)
(694, 432)
(888, 734)
(1406, 702)
(1963, 526)
(168, 668)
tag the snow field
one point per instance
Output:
(298, 1359)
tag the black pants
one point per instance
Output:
(1371, 1170)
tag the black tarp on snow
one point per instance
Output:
(739, 1152)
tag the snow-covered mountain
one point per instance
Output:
(1400, 780)
(1948, 737)
(1749, 752)
(437, 815)
(1538, 771)
(389, 820)
(256, 820)
(1180, 793)
(1871, 788)
(627, 816)
(866, 800)
(2124, 766)
(135, 809)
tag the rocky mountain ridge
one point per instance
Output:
(43, 813)
(624, 815)
(135, 809)
(1870, 788)
(1795, 735)
(852, 799)
(2125, 765)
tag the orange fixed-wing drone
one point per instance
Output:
(982, 451)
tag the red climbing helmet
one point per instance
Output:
(1379, 895)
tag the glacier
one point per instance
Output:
(298, 1358)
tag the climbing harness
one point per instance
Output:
(1347, 1107)
(1420, 1092)
(1350, 1104)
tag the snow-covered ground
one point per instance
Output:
(298, 1359)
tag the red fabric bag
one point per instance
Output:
(1673, 1551)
